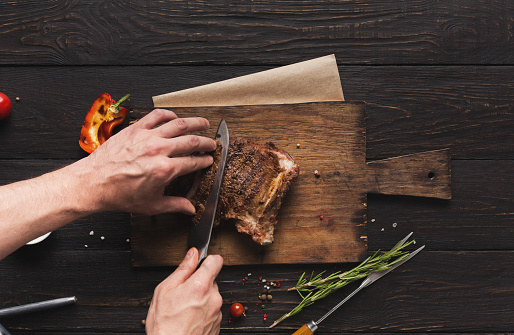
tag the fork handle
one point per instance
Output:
(304, 330)
(307, 329)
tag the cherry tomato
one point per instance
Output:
(237, 310)
(5, 106)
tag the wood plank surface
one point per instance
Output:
(417, 297)
(410, 109)
(256, 32)
(433, 74)
(479, 217)
(481, 205)
(438, 224)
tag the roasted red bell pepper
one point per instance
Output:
(103, 116)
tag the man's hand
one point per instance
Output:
(130, 170)
(188, 302)
(127, 173)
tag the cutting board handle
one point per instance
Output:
(425, 174)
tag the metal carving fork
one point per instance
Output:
(311, 327)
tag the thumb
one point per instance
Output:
(185, 269)
(172, 204)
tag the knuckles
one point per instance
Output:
(193, 163)
(153, 147)
(202, 286)
(193, 142)
(159, 289)
(161, 169)
(180, 124)
(216, 259)
(161, 114)
(218, 301)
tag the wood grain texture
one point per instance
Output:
(426, 174)
(339, 194)
(413, 109)
(409, 109)
(255, 32)
(478, 217)
(434, 74)
(419, 296)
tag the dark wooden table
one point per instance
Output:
(434, 74)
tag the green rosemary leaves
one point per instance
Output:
(317, 287)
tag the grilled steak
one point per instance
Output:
(256, 180)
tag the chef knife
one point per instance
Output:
(200, 234)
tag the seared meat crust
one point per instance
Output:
(255, 182)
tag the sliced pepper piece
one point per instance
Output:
(103, 116)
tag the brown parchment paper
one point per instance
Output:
(313, 80)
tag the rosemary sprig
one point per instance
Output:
(318, 287)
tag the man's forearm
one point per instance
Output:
(127, 173)
(33, 207)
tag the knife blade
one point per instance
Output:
(200, 234)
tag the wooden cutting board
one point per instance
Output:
(329, 137)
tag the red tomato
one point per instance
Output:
(237, 310)
(5, 106)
